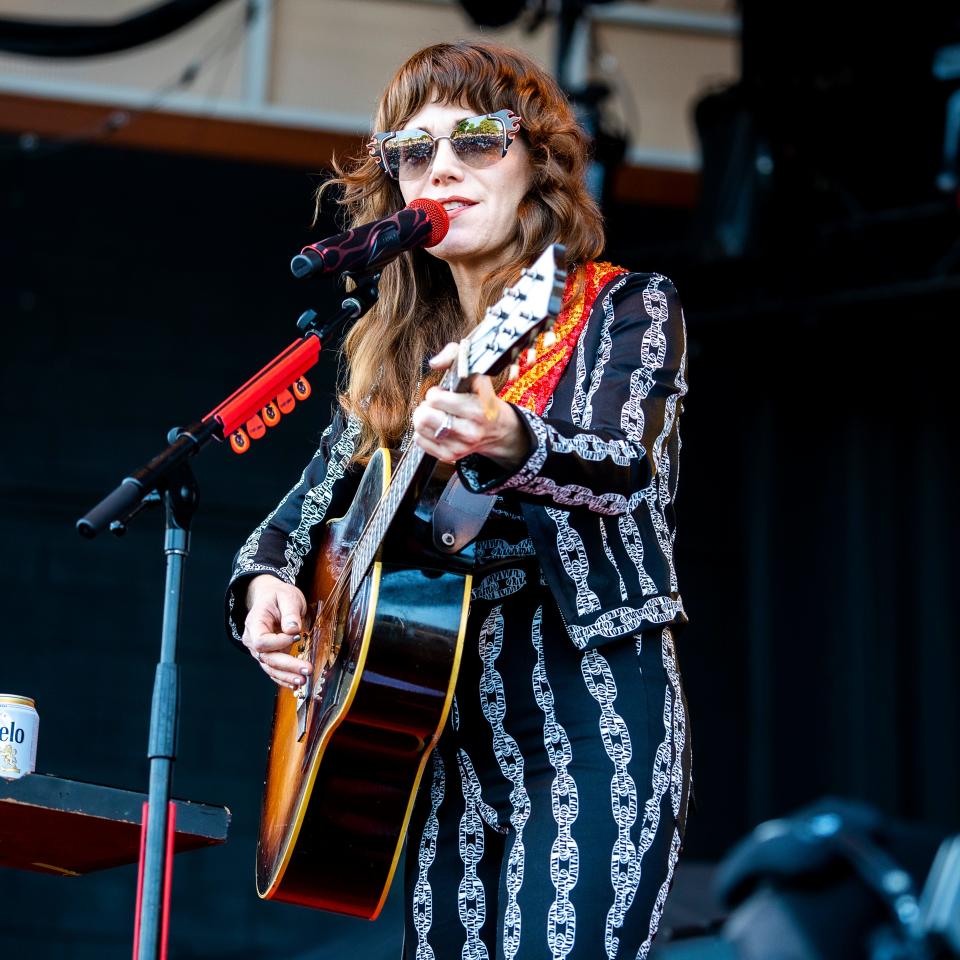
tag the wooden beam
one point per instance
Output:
(306, 148)
(656, 186)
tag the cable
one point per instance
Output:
(84, 39)
(220, 48)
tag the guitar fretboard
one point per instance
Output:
(376, 529)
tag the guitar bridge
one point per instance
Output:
(305, 692)
(301, 695)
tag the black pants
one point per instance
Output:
(551, 815)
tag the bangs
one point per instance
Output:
(466, 75)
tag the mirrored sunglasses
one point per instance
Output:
(477, 142)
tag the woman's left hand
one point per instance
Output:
(474, 422)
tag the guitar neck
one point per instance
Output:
(413, 466)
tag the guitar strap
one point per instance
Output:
(459, 514)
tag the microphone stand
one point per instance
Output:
(168, 477)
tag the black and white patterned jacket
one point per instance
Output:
(597, 491)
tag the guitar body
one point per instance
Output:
(347, 753)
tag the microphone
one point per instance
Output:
(365, 249)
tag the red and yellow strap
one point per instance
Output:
(537, 380)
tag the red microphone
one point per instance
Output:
(367, 248)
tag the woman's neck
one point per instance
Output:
(469, 276)
(468, 282)
(468, 292)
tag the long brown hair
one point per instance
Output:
(419, 310)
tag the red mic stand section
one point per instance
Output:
(168, 477)
(274, 391)
(261, 399)
(266, 396)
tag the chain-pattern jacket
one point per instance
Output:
(597, 490)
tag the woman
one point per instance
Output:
(551, 816)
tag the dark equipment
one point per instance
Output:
(835, 881)
(838, 128)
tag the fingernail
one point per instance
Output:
(292, 623)
(304, 670)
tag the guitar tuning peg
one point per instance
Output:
(531, 355)
(549, 339)
(514, 371)
(300, 388)
(239, 442)
(255, 427)
(285, 401)
(270, 414)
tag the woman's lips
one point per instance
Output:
(457, 211)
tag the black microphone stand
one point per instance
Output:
(168, 477)
(181, 497)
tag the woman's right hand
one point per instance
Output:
(275, 611)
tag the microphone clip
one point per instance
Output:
(362, 290)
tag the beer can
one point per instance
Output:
(19, 723)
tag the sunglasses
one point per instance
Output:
(477, 142)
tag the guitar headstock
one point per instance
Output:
(517, 318)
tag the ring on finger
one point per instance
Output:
(444, 427)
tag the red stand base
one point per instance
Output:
(167, 880)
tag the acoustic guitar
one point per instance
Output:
(389, 609)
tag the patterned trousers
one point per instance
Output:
(551, 814)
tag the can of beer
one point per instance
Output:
(19, 723)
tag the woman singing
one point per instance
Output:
(551, 814)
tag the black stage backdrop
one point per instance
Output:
(817, 546)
